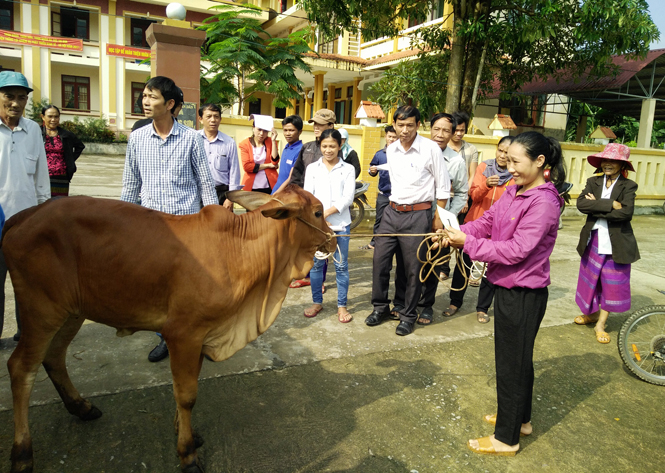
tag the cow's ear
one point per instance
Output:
(249, 200)
(282, 212)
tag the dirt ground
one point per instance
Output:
(314, 395)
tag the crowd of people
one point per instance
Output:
(508, 208)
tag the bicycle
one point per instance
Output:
(641, 344)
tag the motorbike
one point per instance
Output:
(641, 344)
(563, 190)
(357, 208)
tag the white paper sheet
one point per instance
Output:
(449, 219)
(263, 122)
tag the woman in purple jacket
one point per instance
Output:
(523, 227)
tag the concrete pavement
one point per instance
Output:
(346, 397)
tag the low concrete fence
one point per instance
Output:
(105, 148)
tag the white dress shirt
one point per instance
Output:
(419, 174)
(334, 188)
(24, 179)
(604, 243)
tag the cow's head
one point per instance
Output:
(291, 203)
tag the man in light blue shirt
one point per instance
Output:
(166, 165)
(291, 128)
(221, 152)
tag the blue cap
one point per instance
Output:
(14, 79)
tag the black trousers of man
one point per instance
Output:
(518, 314)
(382, 202)
(394, 221)
(221, 191)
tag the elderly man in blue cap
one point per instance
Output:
(24, 180)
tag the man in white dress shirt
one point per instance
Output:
(418, 176)
(24, 179)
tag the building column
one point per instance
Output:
(307, 114)
(331, 99)
(120, 79)
(44, 54)
(646, 123)
(318, 90)
(291, 109)
(356, 99)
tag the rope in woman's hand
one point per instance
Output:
(433, 257)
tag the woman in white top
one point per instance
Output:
(332, 181)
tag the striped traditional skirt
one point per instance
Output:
(602, 283)
(59, 186)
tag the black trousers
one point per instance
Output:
(485, 296)
(221, 190)
(382, 201)
(456, 291)
(393, 221)
(518, 314)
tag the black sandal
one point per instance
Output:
(450, 311)
(366, 247)
(425, 318)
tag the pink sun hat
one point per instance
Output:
(613, 151)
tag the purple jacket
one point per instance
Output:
(523, 229)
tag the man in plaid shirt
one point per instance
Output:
(166, 165)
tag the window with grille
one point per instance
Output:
(6, 15)
(137, 95)
(75, 93)
(139, 27)
(71, 23)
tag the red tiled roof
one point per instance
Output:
(506, 122)
(627, 69)
(338, 57)
(393, 57)
(607, 132)
(372, 110)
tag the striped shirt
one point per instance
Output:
(170, 175)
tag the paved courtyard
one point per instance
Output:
(317, 395)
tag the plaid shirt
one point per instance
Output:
(170, 175)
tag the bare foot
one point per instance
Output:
(343, 315)
(313, 310)
(498, 446)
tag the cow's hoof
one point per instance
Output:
(21, 459)
(92, 414)
(198, 440)
(194, 467)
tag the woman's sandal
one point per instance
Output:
(491, 420)
(584, 320)
(346, 314)
(299, 283)
(311, 312)
(485, 447)
(602, 337)
(450, 311)
(482, 317)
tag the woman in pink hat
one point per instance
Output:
(607, 243)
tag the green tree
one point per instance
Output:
(244, 59)
(519, 40)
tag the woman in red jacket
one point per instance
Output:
(489, 183)
(259, 160)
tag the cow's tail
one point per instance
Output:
(16, 220)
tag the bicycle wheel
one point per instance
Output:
(642, 344)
